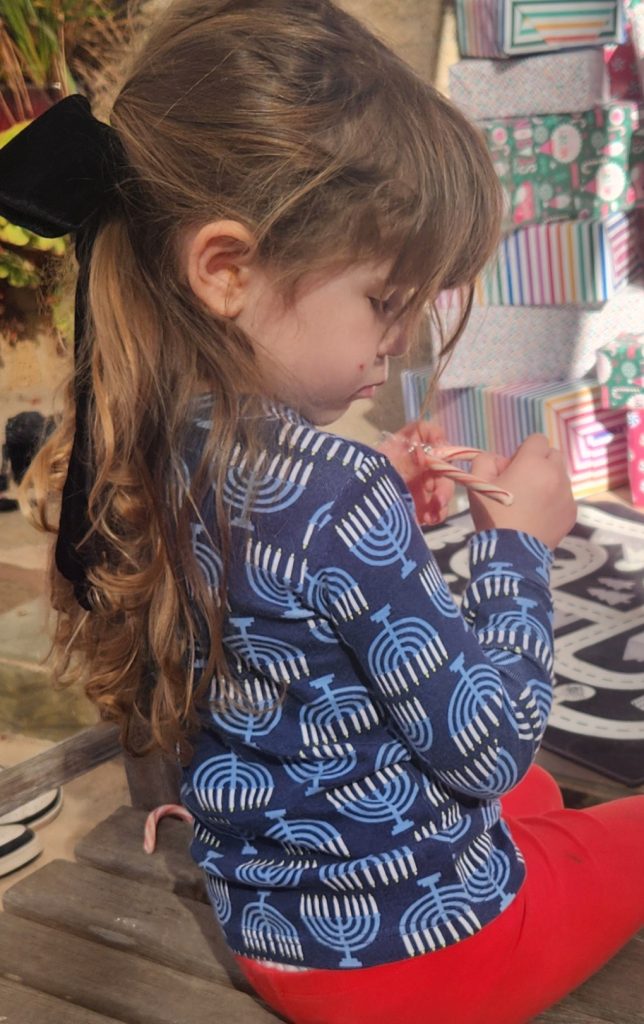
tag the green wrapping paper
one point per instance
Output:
(565, 166)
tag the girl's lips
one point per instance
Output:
(368, 391)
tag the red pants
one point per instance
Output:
(582, 899)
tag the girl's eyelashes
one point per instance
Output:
(383, 306)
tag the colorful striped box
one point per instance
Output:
(549, 83)
(507, 344)
(592, 439)
(498, 28)
(577, 261)
(569, 166)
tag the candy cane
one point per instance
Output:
(153, 819)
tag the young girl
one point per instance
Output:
(275, 204)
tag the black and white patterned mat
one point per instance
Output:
(597, 717)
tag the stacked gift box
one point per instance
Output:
(554, 87)
(620, 372)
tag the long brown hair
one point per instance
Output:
(289, 117)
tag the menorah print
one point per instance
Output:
(320, 518)
(336, 714)
(527, 715)
(485, 872)
(219, 896)
(518, 629)
(207, 558)
(299, 835)
(384, 796)
(259, 717)
(274, 874)
(265, 930)
(344, 923)
(228, 783)
(484, 548)
(334, 592)
(275, 577)
(209, 863)
(322, 630)
(392, 752)
(437, 590)
(475, 704)
(542, 555)
(378, 529)
(324, 764)
(441, 916)
(403, 650)
(266, 487)
(278, 659)
(413, 721)
(492, 771)
(450, 828)
(435, 792)
(203, 835)
(490, 812)
(370, 872)
(499, 579)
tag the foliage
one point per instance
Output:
(44, 43)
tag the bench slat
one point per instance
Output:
(116, 845)
(127, 915)
(114, 983)
(20, 1005)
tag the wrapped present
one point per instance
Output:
(506, 344)
(620, 370)
(564, 166)
(573, 261)
(498, 28)
(635, 448)
(569, 413)
(635, 12)
(549, 83)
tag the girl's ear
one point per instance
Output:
(219, 255)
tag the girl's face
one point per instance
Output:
(329, 347)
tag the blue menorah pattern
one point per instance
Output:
(346, 802)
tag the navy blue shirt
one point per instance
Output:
(347, 813)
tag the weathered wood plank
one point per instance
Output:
(114, 983)
(20, 1005)
(152, 780)
(58, 765)
(127, 915)
(568, 1012)
(617, 991)
(116, 845)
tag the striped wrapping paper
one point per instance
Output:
(592, 439)
(579, 261)
(499, 28)
(507, 344)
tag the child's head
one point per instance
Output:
(291, 119)
(276, 152)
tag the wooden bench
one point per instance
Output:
(122, 937)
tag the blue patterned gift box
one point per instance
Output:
(502, 28)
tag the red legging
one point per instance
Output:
(582, 899)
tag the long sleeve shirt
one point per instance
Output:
(346, 811)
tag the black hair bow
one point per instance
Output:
(60, 175)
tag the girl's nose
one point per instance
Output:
(395, 341)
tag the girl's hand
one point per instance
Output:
(536, 475)
(432, 494)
